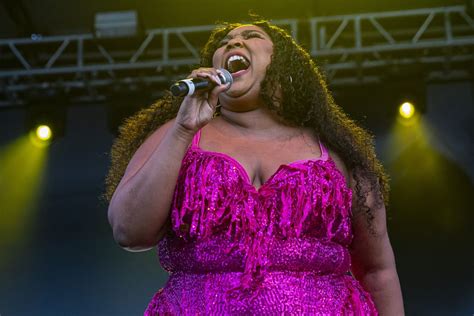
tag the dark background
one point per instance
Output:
(64, 260)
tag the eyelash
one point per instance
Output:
(250, 35)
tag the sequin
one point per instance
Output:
(233, 249)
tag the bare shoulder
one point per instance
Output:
(149, 145)
(340, 165)
(160, 132)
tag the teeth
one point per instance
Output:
(236, 57)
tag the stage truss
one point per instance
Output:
(432, 44)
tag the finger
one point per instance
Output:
(214, 95)
(211, 76)
(218, 80)
(195, 72)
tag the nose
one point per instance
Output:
(234, 42)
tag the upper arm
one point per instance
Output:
(140, 157)
(145, 151)
(370, 249)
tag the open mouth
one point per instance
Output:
(236, 63)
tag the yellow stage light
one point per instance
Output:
(407, 110)
(43, 132)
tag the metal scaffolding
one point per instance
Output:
(432, 43)
(440, 39)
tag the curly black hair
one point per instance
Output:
(304, 100)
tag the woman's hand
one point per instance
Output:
(198, 109)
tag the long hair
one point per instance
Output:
(304, 100)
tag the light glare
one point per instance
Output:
(43, 132)
(407, 110)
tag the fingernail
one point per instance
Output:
(217, 79)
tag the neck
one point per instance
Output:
(256, 122)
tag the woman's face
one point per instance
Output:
(246, 52)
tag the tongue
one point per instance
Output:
(237, 65)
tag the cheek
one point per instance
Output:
(216, 59)
(269, 50)
(269, 58)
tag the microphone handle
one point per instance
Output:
(189, 86)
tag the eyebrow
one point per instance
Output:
(246, 32)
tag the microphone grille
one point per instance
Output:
(225, 76)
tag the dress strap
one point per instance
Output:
(196, 139)
(324, 151)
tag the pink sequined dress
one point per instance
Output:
(281, 249)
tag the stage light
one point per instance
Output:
(116, 24)
(45, 123)
(407, 110)
(43, 132)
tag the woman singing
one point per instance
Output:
(262, 198)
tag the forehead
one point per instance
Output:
(245, 28)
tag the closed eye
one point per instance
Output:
(246, 35)
(250, 35)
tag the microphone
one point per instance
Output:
(190, 86)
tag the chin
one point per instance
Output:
(239, 90)
(234, 94)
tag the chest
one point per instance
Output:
(260, 159)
